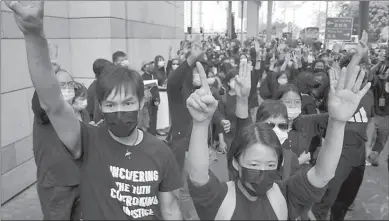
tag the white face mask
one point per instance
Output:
(174, 66)
(282, 81)
(125, 63)
(161, 64)
(80, 104)
(68, 94)
(290, 63)
(293, 113)
(282, 135)
(310, 58)
(214, 70)
(211, 80)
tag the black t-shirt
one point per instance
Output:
(298, 192)
(120, 182)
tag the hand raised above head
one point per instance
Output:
(243, 80)
(346, 92)
(28, 16)
(201, 104)
(362, 48)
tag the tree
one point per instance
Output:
(277, 27)
(378, 15)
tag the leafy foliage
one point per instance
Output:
(378, 15)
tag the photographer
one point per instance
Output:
(379, 75)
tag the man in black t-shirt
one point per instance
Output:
(126, 173)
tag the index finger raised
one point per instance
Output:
(15, 6)
(203, 77)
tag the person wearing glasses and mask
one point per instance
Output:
(58, 176)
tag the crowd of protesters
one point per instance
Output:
(219, 130)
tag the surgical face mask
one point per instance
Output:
(80, 104)
(211, 80)
(260, 180)
(125, 63)
(174, 66)
(310, 59)
(318, 70)
(290, 63)
(282, 81)
(293, 113)
(68, 94)
(161, 64)
(121, 123)
(281, 134)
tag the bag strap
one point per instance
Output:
(278, 202)
(287, 164)
(227, 208)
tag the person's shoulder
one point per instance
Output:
(154, 143)
(91, 129)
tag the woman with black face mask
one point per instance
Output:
(319, 66)
(256, 193)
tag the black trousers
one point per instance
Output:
(60, 202)
(341, 192)
(153, 111)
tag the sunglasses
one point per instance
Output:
(282, 126)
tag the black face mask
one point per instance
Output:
(121, 123)
(260, 180)
(317, 70)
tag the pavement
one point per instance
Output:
(371, 203)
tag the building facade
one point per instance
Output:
(83, 32)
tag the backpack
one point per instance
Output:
(274, 194)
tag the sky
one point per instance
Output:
(302, 13)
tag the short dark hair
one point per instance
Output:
(117, 55)
(99, 65)
(271, 108)
(115, 77)
(283, 89)
(231, 73)
(304, 81)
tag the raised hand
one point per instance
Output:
(195, 53)
(243, 80)
(345, 93)
(28, 16)
(362, 48)
(201, 104)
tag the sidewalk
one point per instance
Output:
(371, 203)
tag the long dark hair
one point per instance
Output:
(156, 59)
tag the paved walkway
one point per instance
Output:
(371, 203)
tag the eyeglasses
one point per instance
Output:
(282, 126)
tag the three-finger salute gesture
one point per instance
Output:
(28, 15)
(243, 80)
(201, 104)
